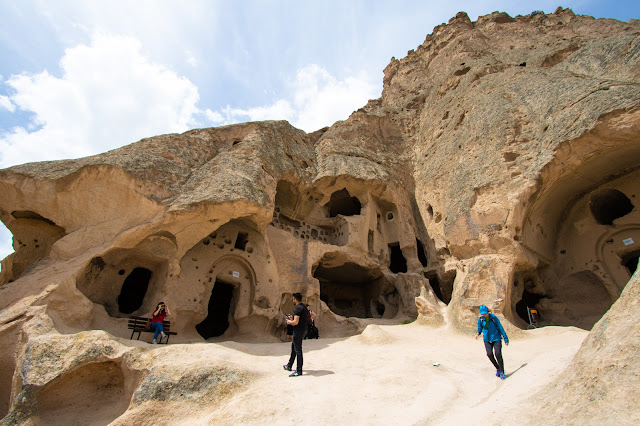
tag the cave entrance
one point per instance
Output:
(398, 262)
(630, 261)
(217, 320)
(342, 203)
(530, 300)
(133, 290)
(351, 290)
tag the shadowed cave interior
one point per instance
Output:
(219, 308)
(351, 290)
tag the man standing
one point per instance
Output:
(489, 324)
(299, 323)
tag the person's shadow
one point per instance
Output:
(318, 372)
(516, 370)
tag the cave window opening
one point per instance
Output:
(608, 205)
(241, 241)
(133, 290)
(398, 262)
(422, 254)
(342, 203)
(217, 320)
(379, 308)
(630, 261)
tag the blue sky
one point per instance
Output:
(83, 77)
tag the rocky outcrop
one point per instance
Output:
(499, 167)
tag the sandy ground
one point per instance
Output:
(387, 376)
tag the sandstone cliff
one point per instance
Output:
(499, 167)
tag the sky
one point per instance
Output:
(79, 78)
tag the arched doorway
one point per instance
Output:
(583, 230)
(231, 289)
(219, 308)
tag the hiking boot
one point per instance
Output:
(502, 376)
(295, 374)
(497, 373)
(286, 367)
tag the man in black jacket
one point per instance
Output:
(299, 323)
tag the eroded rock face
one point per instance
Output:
(499, 167)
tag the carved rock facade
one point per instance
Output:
(499, 167)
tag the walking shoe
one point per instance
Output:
(163, 335)
(497, 373)
(154, 342)
(286, 367)
(502, 376)
(295, 374)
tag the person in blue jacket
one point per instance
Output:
(489, 324)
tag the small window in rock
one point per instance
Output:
(389, 216)
(241, 241)
(608, 205)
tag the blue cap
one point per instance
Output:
(483, 310)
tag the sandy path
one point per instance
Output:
(386, 376)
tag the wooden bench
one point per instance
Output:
(141, 324)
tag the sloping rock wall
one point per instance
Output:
(499, 167)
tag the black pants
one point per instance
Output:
(296, 349)
(496, 347)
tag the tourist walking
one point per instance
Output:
(490, 326)
(299, 323)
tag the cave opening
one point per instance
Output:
(435, 285)
(342, 203)
(241, 241)
(422, 253)
(133, 290)
(351, 290)
(398, 263)
(630, 261)
(217, 320)
(530, 300)
(608, 205)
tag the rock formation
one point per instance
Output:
(500, 166)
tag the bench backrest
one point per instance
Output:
(141, 323)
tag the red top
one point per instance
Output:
(158, 318)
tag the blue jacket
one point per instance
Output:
(495, 331)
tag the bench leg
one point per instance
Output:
(167, 342)
(132, 332)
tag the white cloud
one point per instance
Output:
(213, 116)
(321, 99)
(109, 95)
(314, 99)
(6, 242)
(6, 103)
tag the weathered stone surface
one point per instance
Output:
(499, 167)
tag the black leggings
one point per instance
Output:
(497, 360)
